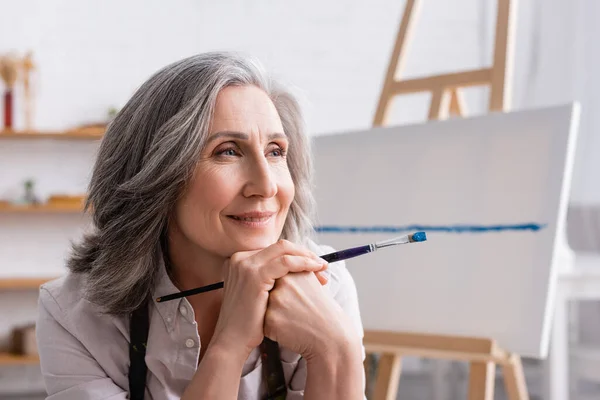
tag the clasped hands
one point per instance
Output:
(279, 292)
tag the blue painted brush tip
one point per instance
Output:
(419, 237)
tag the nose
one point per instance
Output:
(260, 180)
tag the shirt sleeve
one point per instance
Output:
(68, 369)
(344, 293)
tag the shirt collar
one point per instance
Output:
(164, 286)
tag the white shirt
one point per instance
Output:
(84, 354)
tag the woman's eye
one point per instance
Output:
(277, 152)
(227, 152)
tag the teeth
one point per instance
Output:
(250, 219)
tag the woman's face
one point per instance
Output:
(242, 189)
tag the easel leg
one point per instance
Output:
(457, 103)
(503, 55)
(388, 377)
(397, 61)
(440, 104)
(514, 379)
(481, 380)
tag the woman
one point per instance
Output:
(204, 176)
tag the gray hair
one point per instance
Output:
(146, 159)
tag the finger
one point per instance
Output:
(280, 248)
(278, 260)
(322, 277)
(281, 258)
(287, 263)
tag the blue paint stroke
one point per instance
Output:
(430, 228)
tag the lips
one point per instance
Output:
(253, 216)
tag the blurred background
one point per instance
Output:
(68, 66)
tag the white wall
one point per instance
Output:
(558, 61)
(91, 55)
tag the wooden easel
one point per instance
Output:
(482, 354)
(446, 96)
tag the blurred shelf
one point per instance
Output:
(76, 134)
(13, 359)
(22, 283)
(42, 208)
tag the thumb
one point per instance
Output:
(270, 327)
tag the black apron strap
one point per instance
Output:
(138, 333)
(273, 370)
(139, 325)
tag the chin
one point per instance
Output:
(249, 244)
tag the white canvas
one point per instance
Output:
(503, 179)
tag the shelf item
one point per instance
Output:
(23, 341)
(9, 75)
(8, 108)
(75, 134)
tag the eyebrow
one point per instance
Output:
(242, 136)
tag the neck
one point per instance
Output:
(191, 266)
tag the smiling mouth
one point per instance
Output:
(250, 219)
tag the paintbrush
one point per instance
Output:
(331, 257)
